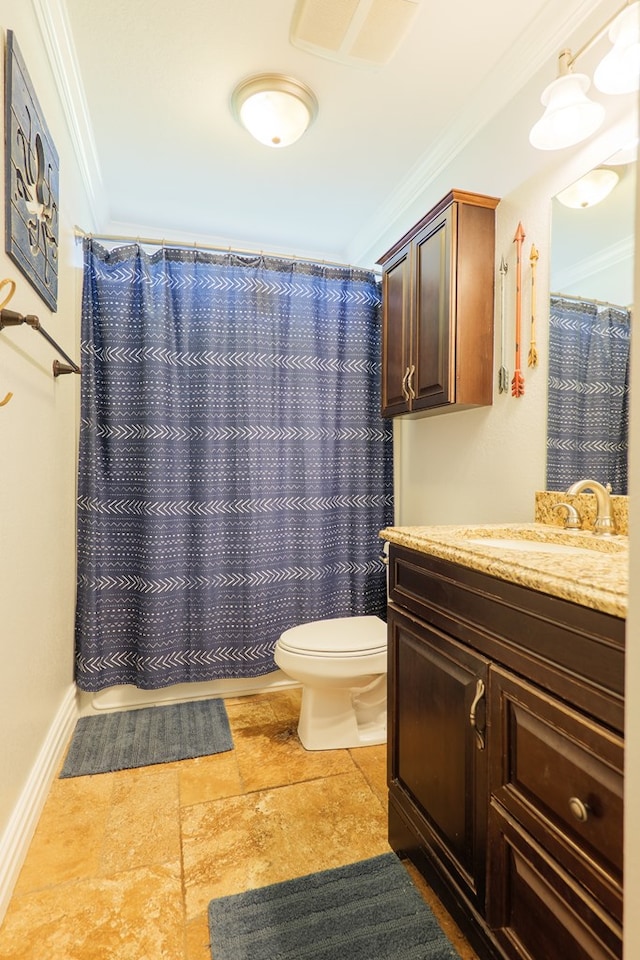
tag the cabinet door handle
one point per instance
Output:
(405, 392)
(472, 715)
(579, 809)
(410, 389)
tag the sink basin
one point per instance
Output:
(527, 546)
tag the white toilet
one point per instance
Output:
(342, 666)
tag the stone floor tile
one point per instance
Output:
(135, 915)
(209, 778)
(372, 761)
(143, 826)
(233, 845)
(67, 841)
(270, 754)
(197, 938)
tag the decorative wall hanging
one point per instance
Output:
(31, 181)
(503, 376)
(517, 384)
(532, 359)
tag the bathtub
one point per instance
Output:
(128, 697)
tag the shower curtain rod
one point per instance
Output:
(598, 303)
(81, 234)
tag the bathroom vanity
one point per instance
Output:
(506, 700)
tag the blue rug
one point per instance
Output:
(366, 911)
(139, 738)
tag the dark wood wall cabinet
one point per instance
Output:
(438, 310)
(506, 758)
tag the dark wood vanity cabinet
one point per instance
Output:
(438, 309)
(506, 758)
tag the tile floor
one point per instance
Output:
(123, 865)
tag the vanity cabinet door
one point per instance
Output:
(433, 353)
(397, 333)
(438, 768)
(416, 354)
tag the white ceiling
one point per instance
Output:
(147, 87)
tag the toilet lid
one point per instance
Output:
(351, 636)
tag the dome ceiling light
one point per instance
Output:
(594, 187)
(276, 110)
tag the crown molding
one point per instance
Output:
(58, 41)
(522, 61)
(605, 259)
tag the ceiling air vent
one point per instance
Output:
(361, 32)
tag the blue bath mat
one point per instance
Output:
(366, 911)
(139, 738)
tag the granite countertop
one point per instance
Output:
(595, 575)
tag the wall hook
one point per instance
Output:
(12, 290)
(3, 303)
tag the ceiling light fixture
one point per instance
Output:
(276, 110)
(570, 116)
(593, 188)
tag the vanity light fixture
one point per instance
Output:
(619, 71)
(570, 116)
(594, 187)
(275, 109)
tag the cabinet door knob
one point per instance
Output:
(472, 715)
(579, 809)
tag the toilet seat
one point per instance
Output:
(348, 637)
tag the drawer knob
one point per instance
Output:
(579, 809)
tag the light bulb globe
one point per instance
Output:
(570, 116)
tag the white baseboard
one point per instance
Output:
(15, 841)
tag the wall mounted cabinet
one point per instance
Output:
(438, 310)
(506, 758)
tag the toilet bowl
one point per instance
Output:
(342, 666)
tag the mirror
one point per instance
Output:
(591, 282)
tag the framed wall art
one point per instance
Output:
(31, 181)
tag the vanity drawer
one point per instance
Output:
(535, 907)
(560, 774)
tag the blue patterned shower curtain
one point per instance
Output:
(234, 469)
(588, 416)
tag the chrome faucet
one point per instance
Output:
(604, 524)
